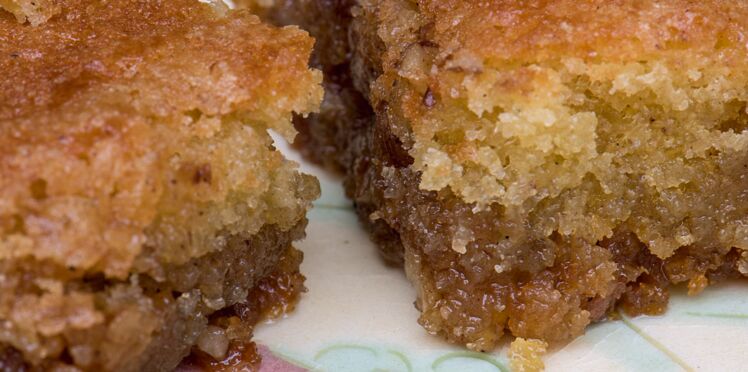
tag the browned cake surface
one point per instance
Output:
(539, 163)
(139, 189)
(33, 11)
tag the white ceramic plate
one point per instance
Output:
(359, 316)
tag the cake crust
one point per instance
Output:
(613, 31)
(35, 12)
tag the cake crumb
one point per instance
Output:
(525, 355)
(743, 263)
(697, 284)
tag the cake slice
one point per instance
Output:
(537, 165)
(144, 212)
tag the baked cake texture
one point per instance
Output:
(537, 165)
(143, 207)
(33, 11)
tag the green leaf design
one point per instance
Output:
(402, 358)
(718, 315)
(471, 355)
(338, 347)
(374, 353)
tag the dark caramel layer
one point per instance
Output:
(259, 277)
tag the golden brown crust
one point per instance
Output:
(133, 140)
(92, 48)
(34, 11)
(614, 31)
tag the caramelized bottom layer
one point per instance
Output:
(208, 304)
(274, 295)
(548, 289)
